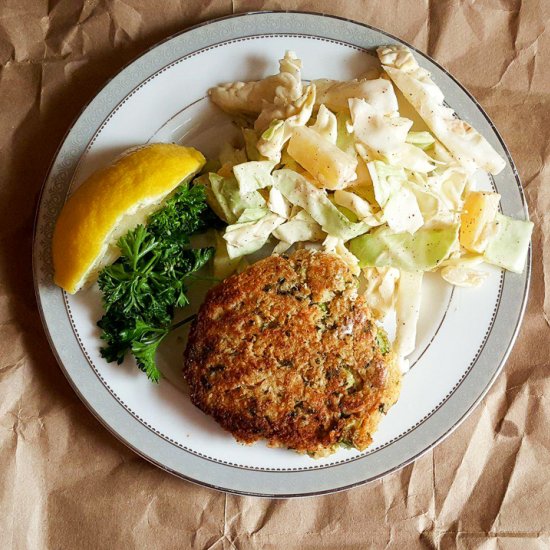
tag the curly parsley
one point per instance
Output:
(144, 286)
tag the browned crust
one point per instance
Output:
(286, 351)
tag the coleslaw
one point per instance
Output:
(334, 165)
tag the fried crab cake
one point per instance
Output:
(288, 352)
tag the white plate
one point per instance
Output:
(464, 335)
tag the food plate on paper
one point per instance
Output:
(314, 249)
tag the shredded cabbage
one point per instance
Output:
(344, 135)
(279, 130)
(254, 175)
(359, 206)
(225, 198)
(379, 287)
(439, 196)
(407, 310)
(317, 204)
(463, 276)
(378, 92)
(278, 204)
(246, 238)
(402, 212)
(424, 140)
(423, 251)
(508, 248)
(287, 97)
(399, 205)
(336, 246)
(301, 227)
(466, 145)
(386, 180)
(412, 158)
(252, 214)
(381, 134)
(250, 97)
(326, 124)
(459, 269)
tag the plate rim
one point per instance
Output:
(117, 434)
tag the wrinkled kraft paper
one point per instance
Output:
(65, 482)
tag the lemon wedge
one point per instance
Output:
(113, 201)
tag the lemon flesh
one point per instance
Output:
(111, 202)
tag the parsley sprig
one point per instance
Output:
(144, 286)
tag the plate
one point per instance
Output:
(464, 335)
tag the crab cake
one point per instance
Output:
(288, 352)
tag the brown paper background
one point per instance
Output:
(65, 482)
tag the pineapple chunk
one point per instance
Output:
(328, 164)
(477, 219)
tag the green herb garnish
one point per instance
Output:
(149, 280)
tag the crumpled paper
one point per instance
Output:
(65, 482)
